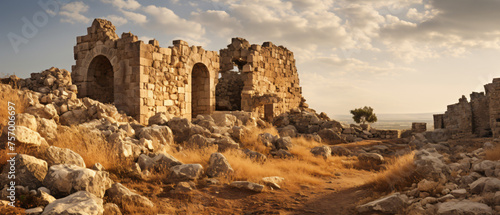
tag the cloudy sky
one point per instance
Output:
(398, 56)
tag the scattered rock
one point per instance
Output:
(79, 203)
(122, 196)
(218, 166)
(273, 181)
(247, 185)
(463, 207)
(159, 119)
(185, 172)
(392, 204)
(324, 151)
(256, 156)
(485, 185)
(111, 209)
(64, 179)
(340, 151)
(284, 143)
(29, 171)
(55, 155)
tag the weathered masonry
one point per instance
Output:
(480, 116)
(145, 79)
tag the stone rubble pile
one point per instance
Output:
(462, 183)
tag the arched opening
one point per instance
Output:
(229, 87)
(100, 80)
(200, 90)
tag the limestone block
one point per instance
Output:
(157, 56)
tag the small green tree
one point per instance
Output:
(363, 115)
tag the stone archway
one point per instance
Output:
(100, 80)
(200, 90)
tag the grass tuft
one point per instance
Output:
(399, 173)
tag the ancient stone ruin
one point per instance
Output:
(144, 79)
(480, 116)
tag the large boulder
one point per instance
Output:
(25, 136)
(64, 179)
(288, 131)
(284, 143)
(464, 207)
(485, 185)
(224, 120)
(55, 155)
(181, 128)
(159, 119)
(160, 135)
(185, 172)
(392, 204)
(218, 166)
(429, 164)
(122, 196)
(47, 128)
(29, 171)
(485, 167)
(79, 203)
(44, 111)
(27, 120)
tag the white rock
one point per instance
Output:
(79, 203)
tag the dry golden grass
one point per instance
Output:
(7, 95)
(251, 139)
(493, 154)
(93, 147)
(304, 168)
(399, 173)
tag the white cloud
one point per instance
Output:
(447, 27)
(135, 17)
(123, 4)
(219, 22)
(116, 20)
(72, 12)
(166, 20)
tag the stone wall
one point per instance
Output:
(270, 78)
(493, 94)
(458, 117)
(438, 121)
(480, 116)
(419, 127)
(144, 79)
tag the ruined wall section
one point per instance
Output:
(269, 75)
(480, 114)
(166, 79)
(100, 49)
(458, 117)
(493, 93)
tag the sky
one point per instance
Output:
(397, 56)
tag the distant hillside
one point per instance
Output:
(394, 121)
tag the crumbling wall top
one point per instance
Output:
(102, 29)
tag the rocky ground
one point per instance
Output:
(80, 156)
